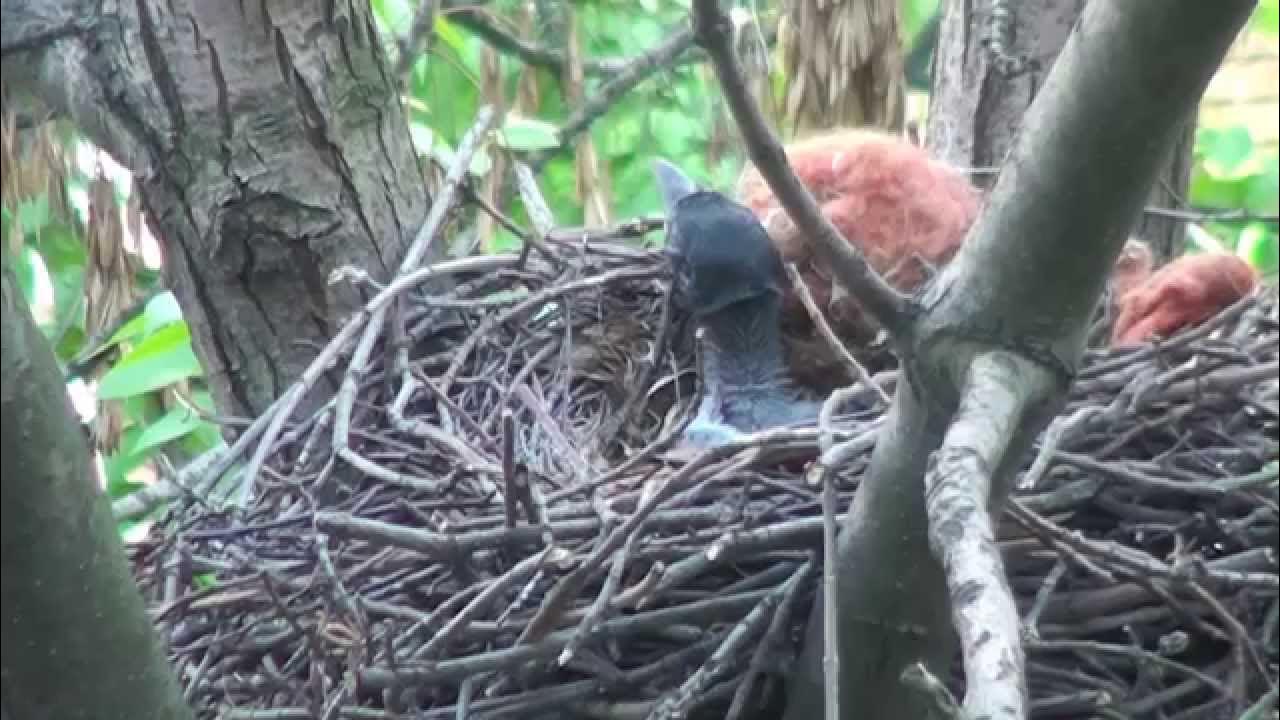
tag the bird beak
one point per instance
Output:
(673, 183)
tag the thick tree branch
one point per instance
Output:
(1001, 393)
(1025, 283)
(888, 307)
(1062, 208)
(76, 635)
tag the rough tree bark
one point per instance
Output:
(269, 148)
(975, 110)
(77, 641)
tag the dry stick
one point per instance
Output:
(559, 598)
(510, 493)
(542, 417)
(478, 21)
(1030, 623)
(535, 205)
(613, 427)
(528, 305)
(651, 450)
(779, 629)
(415, 42)
(600, 607)
(1243, 644)
(268, 425)
(441, 205)
(370, 318)
(1136, 653)
(851, 363)
(679, 703)
(515, 576)
(886, 306)
(830, 607)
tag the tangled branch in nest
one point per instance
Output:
(502, 531)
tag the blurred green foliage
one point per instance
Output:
(150, 353)
(669, 115)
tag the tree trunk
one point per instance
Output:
(270, 150)
(1022, 286)
(975, 111)
(77, 640)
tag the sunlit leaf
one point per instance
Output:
(1266, 17)
(522, 133)
(449, 34)
(1228, 153)
(1260, 247)
(33, 213)
(395, 15)
(176, 423)
(161, 359)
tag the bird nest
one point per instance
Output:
(483, 521)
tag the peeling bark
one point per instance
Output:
(269, 149)
(975, 112)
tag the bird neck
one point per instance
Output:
(743, 345)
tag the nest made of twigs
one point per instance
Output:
(475, 542)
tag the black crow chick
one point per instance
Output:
(728, 276)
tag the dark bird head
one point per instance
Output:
(720, 253)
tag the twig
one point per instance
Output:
(636, 72)
(882, 302)
(855, 368)
(416, 41)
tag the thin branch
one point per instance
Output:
(416, 41)
(882, 302)
(637, 71)
(486, 27)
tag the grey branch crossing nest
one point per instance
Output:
(501, 531)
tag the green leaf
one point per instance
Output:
(205, 436)
(450, 35)
(675, 132)
(33, 214)
(161, 359)
(1266, 18)
(71, 343)
(28, 267)
(1262, 191)
(176, 423)
(521, 133)
(620, 132)
(160, 311)
(395, 15)
(1260, 247)
(119, 464)
(1227, 152)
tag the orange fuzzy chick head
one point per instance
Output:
(1183, 293)
(907, 212)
